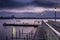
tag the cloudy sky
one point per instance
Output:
(35, 6)
(19, 3)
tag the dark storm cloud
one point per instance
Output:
(5, 3)
(47, 3)
(20, 3)
(9, 3)
(14, 3)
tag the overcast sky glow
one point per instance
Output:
(30, 9)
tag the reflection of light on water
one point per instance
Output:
(14, 31)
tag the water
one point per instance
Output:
(8, 30)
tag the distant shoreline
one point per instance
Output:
(13, 17)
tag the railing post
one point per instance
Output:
(24, 38)
(6, 37)
(22, 33)
(16, 36)
(19, 33)
(12, 36)
(29, 36)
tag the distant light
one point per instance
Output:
(53, 9)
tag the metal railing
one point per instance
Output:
(20, 36)
(52, 34)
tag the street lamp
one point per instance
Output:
(55, 14)
(55, 10)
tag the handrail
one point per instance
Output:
(52, 29)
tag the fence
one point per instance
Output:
(51, 32)
(22, 36)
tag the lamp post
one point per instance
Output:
(55, 14)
